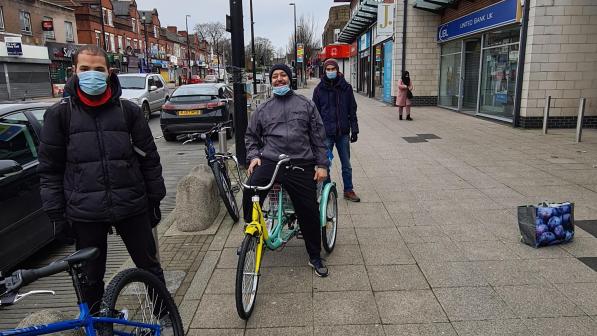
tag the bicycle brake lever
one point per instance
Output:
(19, 297)
(186, 142)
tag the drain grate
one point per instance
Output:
(415, 139)
(428, 136)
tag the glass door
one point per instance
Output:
(449, 81)
(470, 84)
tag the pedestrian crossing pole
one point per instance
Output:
(238, 60)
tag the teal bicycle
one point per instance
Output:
(272, 227)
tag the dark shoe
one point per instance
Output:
(408, 117)
(351, 196)
(400, 117)
(320, 268)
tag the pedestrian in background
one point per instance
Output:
(405, 87)
(99, 168)
(335, 101)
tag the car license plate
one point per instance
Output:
(189, 113)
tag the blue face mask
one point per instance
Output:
(331, 74)
(92, 82)
(281, 90)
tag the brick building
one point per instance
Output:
(487, 58)
(337, 18)
(35, 59)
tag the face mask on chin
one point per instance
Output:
(93, 83)
(281, 90)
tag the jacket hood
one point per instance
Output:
(73, 83)
(339, 82)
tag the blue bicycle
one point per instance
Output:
(135, 302)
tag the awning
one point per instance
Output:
(434, 6)
(364, 17)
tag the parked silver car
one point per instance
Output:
(148, 91)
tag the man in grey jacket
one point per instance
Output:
(290, 124)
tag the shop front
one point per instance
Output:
(24, 70)
(61, 66)
(364, 63)
(479, 61)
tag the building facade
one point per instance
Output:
(36, 37)
(337, 18)
(498, 59)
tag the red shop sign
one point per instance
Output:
(47, 25)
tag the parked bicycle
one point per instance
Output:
(217, 163)
(272, 228)
(135, 303)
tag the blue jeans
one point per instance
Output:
(342, 143)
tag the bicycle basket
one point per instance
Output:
(273, 200)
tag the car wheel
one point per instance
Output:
(146, 111)
(169, 137)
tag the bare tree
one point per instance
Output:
(264, 52)
(305, 31)
(214, 33)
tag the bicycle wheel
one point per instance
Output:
(137, 295)
(246, 277)
(224, 187)
(329, 229)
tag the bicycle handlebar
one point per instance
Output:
(196, 136)
(283, 159)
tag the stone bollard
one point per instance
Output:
(47, 316)
(197, 200)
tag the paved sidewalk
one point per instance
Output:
(434, 248)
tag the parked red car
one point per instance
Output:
(195, 79)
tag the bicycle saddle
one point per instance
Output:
(86, 254)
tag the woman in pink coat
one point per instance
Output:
(402, 100)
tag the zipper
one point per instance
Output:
(100, 140)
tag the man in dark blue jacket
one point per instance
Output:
(335, 101)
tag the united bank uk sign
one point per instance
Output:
(500, 14)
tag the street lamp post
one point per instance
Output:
(295, 49)
(253, 50)
(186, 17)
(147, 58)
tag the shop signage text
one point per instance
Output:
(387, 72)
(385, 19)
(14, 47)
(47, 25)
(499, 14)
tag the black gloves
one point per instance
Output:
(155, 215)
(354, 137)
(62, 225)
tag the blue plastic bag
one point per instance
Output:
(546, 223)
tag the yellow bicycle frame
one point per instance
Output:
(257, 228)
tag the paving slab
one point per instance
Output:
(565, 270)
(351, 330)
(472, 303)
(563, 326)
(583, 295)
(511, 327)
(281, 310)
(486, 250)
(396, 277)
(412, 306)
(452, 274)
(537, 301)
(347, 307)
(439, 251)
(288, 279)
(386, 253)
(509, 272)
(287, 331)
(340, 278)
(218, 311)
(345, 255)
(424, 329)
(216, 332)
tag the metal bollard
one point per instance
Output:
(546, 113)
(222, 142)
(579, 121)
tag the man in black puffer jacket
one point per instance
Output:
(99, 167)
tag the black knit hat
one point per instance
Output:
(283, 67)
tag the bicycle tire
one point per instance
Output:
(246, 303)
(225, 191)
(328, 234)
(117, 289)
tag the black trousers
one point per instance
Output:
(138, 238)
(302, 190)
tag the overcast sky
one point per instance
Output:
(273, 18)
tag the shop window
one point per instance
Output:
(449, 82)
(49, 33)
(25, 19)
(502, 37)
(1, 18)
(70, 32)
